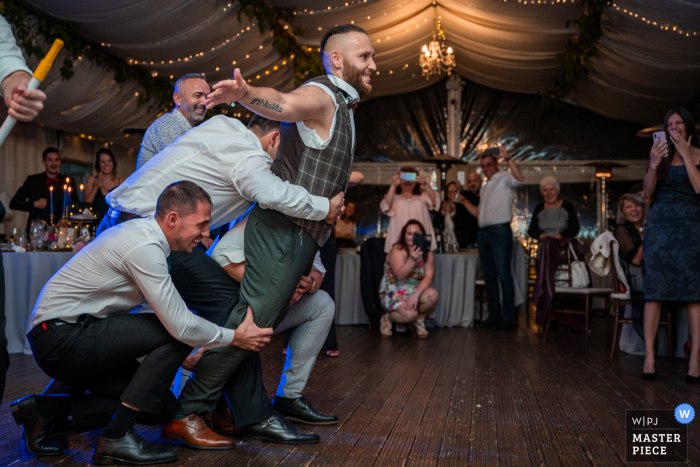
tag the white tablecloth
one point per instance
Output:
(454, 280)
(25, 276)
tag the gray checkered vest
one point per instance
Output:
(323, 172)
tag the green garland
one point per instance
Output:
(578, 50)
(30, 25)
(306, 63)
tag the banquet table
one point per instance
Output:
(454, 281)
(25, 276)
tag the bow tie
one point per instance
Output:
(350, 101)
(49, 181)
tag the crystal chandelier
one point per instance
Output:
(434, 59)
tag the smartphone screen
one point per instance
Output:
(409, 177)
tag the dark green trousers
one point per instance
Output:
(278, 252)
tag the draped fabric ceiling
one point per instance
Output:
(641, 68)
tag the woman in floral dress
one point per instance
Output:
(405, 289)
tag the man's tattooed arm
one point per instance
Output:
(265, 104)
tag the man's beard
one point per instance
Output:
(353, 76)
(191, 113)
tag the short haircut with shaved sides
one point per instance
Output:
(182, 197)
(262, 126)
(337, 30)
(181, 80)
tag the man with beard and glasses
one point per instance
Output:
(316, 152)
(190, 93)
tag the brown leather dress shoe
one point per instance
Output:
(221, 421)
(194, 432)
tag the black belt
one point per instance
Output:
(493, 226)
(51, 325)
(122, 216)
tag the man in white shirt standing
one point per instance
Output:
(189, 96)
(84, 335)
(495, 241)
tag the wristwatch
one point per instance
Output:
(313, 286)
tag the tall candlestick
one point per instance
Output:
(81, 192)
(65, 192)
(51, 196)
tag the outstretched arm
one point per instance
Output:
(303, 104)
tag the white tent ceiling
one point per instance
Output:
(641, 68)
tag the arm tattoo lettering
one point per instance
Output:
(267, 105)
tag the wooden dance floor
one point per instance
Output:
(461, 397)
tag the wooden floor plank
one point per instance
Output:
(463, 397)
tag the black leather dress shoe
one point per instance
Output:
(37, 428)
(489, 323)
(131, 449)
(277, 430)
(505, 326)
(300, 410)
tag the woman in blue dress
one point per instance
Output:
(672, 236)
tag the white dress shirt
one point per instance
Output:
(230, 248)
(114, 273)
(225, 159)
(309, 136)
(11, 58)
(496, 199)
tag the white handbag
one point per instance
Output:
(579, 273)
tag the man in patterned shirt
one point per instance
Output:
(190, 92)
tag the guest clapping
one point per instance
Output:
(345, 227)
(409, 197)
(405, 289)
(555, 217)
(672, 237)
(105, 180)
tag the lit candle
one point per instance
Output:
(69, 198)
(81, 192)
(65, 192)
(51, 196)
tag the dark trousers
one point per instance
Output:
(278, 252)
(99, 355)
(495, 251)
(212, 293)
(329, 254)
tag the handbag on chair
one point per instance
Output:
(577, 273)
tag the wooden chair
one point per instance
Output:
(563, 290)
(618, 307)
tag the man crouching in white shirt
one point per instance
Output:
(83, 335)
(310, 313)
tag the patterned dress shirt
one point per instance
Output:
(166, 129)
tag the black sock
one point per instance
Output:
(123, 420)
(56, 407)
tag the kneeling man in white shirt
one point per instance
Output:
(84, 335)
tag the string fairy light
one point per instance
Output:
(649, 21)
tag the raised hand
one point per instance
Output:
(396, 179)
(23, 104)
(227, 91)
(682, 146)
(658, 151)
(416, 253)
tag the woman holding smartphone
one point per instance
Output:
(409, 197)
(672, 235)
(405, 289)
